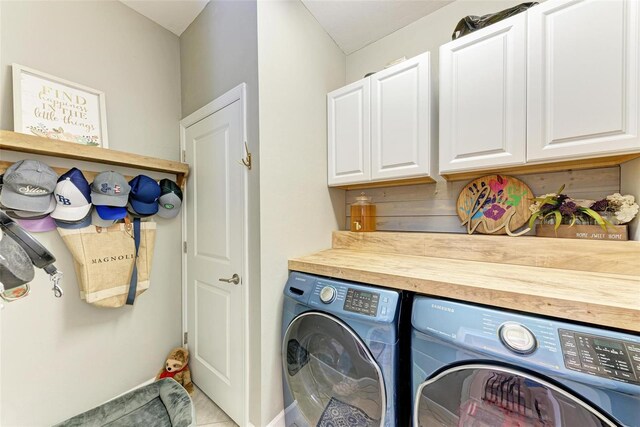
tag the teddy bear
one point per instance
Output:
(177, 367)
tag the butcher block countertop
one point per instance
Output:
(596, 282)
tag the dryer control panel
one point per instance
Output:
(601, 356)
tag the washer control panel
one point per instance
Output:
(517, 338)
(601, 356)
(328, 294)
(364, 302)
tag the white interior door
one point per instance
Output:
(215, 247)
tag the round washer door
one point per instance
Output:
(492, 395)
(332, 376)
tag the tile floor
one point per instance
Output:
(208, 414)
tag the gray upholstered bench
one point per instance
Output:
(163, 403)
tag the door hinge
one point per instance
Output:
(184, 246)
(184, 156)
(186, 338)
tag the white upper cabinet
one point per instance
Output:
(483, 116)
(400, 120)
(582, 79)
(348, 134)
(380, 128)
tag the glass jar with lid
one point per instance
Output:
(363, 214)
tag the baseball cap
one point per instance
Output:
(112, 213)
(170, 200)
(110, 189)
(38, 225)
(30, 215)
(27, 186)
(99, 222)
(72, 196)
(143, 198)
(84, 222)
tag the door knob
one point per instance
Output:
(235, 279)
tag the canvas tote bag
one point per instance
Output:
(105, 258)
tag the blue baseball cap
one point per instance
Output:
(72, 196)
(111, 212)
(144, 194)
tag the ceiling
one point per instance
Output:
(174, 15)
(353, 24)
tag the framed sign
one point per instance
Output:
(51, 107)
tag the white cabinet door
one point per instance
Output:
(400, 120)
(349, 137)
(483, 98)
(582, 79)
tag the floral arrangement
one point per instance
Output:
(614, 209)
(621, 209)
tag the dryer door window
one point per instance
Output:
(331, 375)
(486, 395)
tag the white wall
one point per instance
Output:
(298, 65)
(219, 51)
(63, 356)
(426, 34)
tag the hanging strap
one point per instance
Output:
(133, 284)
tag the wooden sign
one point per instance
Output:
(495, 204)
(589, 232)
(50, 107)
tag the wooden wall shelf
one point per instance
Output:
(14, 141)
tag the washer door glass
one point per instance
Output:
(485, 395)
(333, 378)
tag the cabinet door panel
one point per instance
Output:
(349, 142)
(583, 79)
(400, 122)
(483, 98)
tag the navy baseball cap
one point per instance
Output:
(73, 196)
(84, 222)
(144, 194)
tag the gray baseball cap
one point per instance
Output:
(28, 186)
(29, 215)
(170, 199)
(110, 189)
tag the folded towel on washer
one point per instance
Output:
(340, 414)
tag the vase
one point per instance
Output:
(610, 216)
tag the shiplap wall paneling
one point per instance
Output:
(431, 207)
